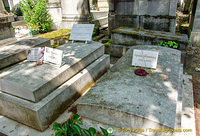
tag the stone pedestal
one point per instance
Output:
(144, 14)
(6, 30)
(74, 12)
(103, 5)
(195, 23)
(54, 7)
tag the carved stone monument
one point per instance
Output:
(6, 30)
(55, 10)
(145, 14)
(74, 12)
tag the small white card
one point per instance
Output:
(82, 32)
(144, 58)
(35, 54)
(53, 55)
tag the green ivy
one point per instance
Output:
(170, 44)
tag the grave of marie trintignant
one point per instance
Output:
(35, 95)
(122, 99)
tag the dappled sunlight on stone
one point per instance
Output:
(168, 70)
(172, 94)
(39, 93)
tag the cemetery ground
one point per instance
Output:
(196, 84)
(19, 129)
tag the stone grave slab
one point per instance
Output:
(131, 36)
(41, 114)
(122, 99)
(16, 52)
(31, 82)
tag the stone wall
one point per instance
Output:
(6, 30)
(145, 14)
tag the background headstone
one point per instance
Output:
(6, 29)
(74, 12)
(55, 10)
(145, 14)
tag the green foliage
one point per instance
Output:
(71, 128)
(34, 27)
(35, 12)
(170, 44)
(104, 131)
(90, 132)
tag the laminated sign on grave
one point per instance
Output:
(82, 32)
(145, 58)
(53, 55)
(35, 54)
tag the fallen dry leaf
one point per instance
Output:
(173, 54)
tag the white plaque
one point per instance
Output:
(53, 55)
(145, 58)
(82, 32)
(35, 54)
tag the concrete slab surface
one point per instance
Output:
(31, 82)
(122, 99)
(188, 113)
(16, 52)
(39, 115)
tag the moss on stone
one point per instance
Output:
(98, 37)
(131, 28)
(161, 16)
(179, 34)
(62, 33)
(108, 43)
(174, 38)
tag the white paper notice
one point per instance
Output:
(145, 58)
(53, 55)
(35, 54)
